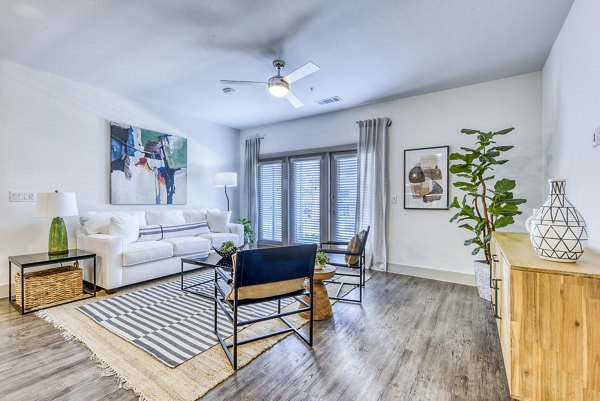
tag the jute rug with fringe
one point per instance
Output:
(147, 377)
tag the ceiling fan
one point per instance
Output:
(278, 85)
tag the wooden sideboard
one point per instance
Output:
(548, 317)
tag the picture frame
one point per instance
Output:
(147, 167)
(426, 178)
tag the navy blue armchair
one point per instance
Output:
(264, 275)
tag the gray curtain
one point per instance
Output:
(372, 191)
(250, 183)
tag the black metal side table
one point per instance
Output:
(42, 259)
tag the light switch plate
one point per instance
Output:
(394, 199)
(21, 196)
(596, 139)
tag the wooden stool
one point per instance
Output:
(321, 303)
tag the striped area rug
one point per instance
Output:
(170, 324)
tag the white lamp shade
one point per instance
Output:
(56, 204)
(226, 178)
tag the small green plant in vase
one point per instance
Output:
(321, 260)
(248, 232)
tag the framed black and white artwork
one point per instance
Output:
(426, 178)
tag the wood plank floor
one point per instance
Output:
(411, 339)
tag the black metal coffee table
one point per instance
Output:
(212, 260)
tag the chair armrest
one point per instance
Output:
(238, 229)
(335, 243)
(338, 251)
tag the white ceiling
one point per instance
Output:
(174, 52)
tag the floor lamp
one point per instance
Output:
(226, 179)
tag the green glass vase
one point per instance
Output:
(58, 243)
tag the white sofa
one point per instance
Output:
(136, 246)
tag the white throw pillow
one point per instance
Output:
(157, 232)
(98, 222)
(165, 217)
(218, 221)
(126, 226)
(94, 223)
(194, 215)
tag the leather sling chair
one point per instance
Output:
(259, 276)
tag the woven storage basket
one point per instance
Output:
(49, 286)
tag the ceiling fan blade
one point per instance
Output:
(301, 72)
(294, 100)
(230, 82)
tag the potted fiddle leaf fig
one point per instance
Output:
(488, 203)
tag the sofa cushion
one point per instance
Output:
(218, 239)
(98, 222)
(165, 217)
(218, 221)
(158, 232)
(187, 245)
(142, 252)
(194, 215)
(126, 226)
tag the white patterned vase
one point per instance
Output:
(557, 231)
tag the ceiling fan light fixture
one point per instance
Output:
(278, 91)
(278, 87)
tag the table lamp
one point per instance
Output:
(226, 179)
(56, 205)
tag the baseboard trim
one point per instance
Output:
(4, 291)
(433, 274)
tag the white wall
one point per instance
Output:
(424, 242)
(571, 99)
(55, 135)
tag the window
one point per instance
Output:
(307, 199)
(344, 196)
(270, 202)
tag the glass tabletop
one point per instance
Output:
(212, 260)
(43, 257)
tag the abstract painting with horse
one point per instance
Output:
(147, 167)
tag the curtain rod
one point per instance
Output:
(389, 124)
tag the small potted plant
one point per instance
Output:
(321, 260)
(248, 232)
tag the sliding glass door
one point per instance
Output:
(307, 199)
(344, 195)
(270, 202)
(306, 190)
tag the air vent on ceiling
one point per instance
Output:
(329, 100)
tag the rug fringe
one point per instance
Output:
(106, 369)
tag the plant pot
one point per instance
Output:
(482, 276)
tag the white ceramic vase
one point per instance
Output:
(557, 231)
